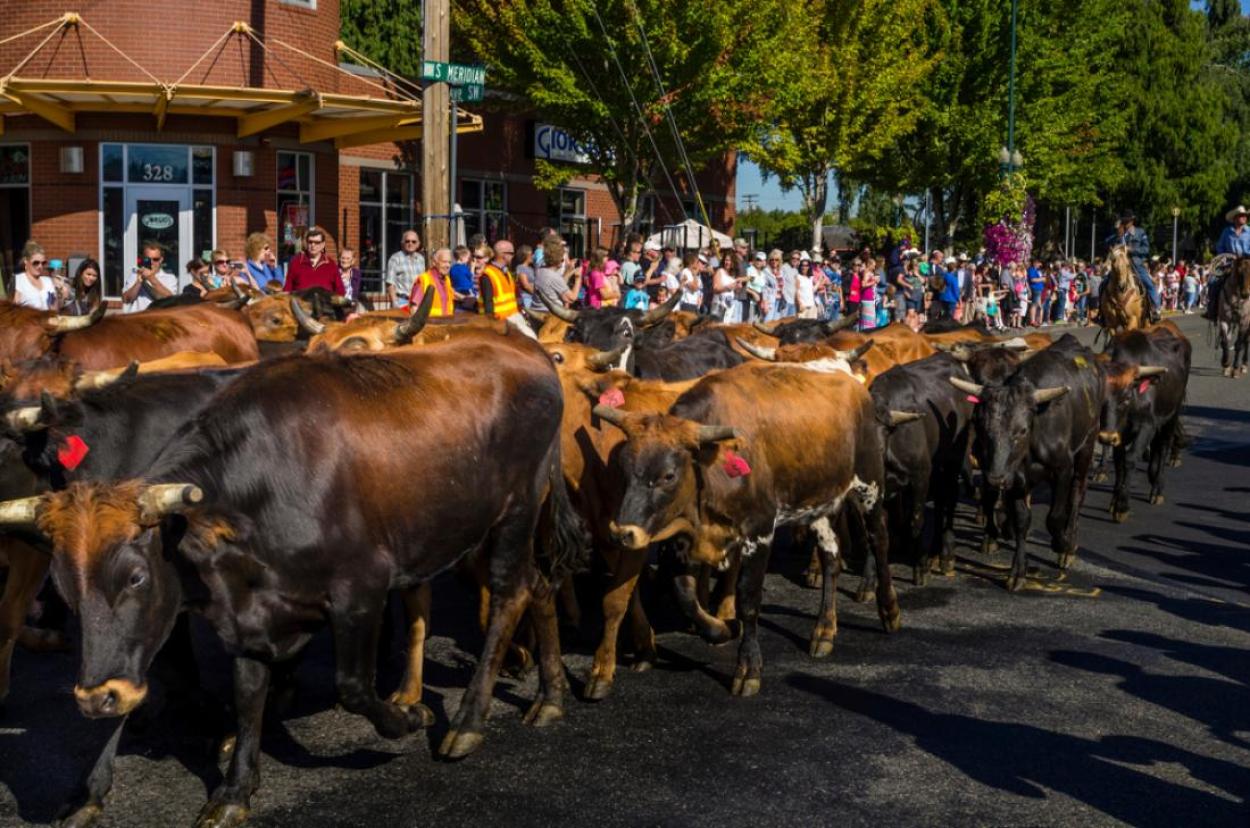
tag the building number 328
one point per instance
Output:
(158, 172)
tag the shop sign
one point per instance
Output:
(158, 221)
(554, 144)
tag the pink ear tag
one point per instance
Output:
(974, 399)
(612, 398)
(1145, 384)
(735, 466)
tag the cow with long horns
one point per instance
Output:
(216, 527)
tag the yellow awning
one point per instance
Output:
(348, 120)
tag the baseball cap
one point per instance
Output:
(703, 258)
(655, 246)
(760, 256)
(740, 242)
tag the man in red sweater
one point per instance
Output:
(313, 268)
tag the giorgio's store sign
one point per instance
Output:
(554, 144)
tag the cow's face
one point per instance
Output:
(272, 320)
(657, 466)
(1004, 424)
(111, 563)
(1128, 393)
(605, 331)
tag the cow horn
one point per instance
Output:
(232, 304)
(958, 351)
(715, 433)
(1025, 356)
(305, 321)
(657, 314)
(897, 418)
(238, 292)
(1150, 370)
(101, 379)
(968, 387)
(767, 330)
(339, 301)
(613, 415)
(831, 328)
(166, 498)
(1013, 344)
(26, 418)
(1045, 395)
(852, 355)
(605, 360)
(410, 327)
(757, 351)
(63, 324)
(564, 313)
(20, 512)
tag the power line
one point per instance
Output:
(672, 121)
(637, 109)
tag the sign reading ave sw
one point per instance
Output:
(457, 74)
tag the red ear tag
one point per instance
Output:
(612, 398)
(735, 466)
(72, 452)
(973, 399)
(1141, 389)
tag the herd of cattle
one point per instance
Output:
(272, 466)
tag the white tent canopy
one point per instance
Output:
(689, 235)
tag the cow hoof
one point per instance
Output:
(988, 547)
(1156, 500)
(597, 689)
(1015, 583)
(820, 648)
(1066, 559)
(813, 579)
(419, 716)
(222, 815)
(920, 574)
(1119, 516)
(1228, 372)
(892, 621)
(643, 662)
(85, 816)
(519, 662)
(1174, 463)
(457, 745)
(744, 686)
(864, 595)
(226, 749)
(1100, 477)
(543, 713)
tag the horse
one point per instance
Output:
(1120, 306)
(1234, 318)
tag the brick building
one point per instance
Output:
(195, 123)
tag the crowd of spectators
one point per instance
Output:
(731, 282)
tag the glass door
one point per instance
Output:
(160, 214)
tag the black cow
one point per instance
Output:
(279, 509)
(1041, 424)
(1146, 378)
(610, 328)
(794, 331)
(689, 358)
(989, 363)
(924, 454)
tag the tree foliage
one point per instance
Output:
(714, 57)
(388, 31)
(848, 96)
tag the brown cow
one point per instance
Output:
(740, 454)
(587, 444)
(862, 362)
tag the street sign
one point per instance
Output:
(469, 93)
(457, 74)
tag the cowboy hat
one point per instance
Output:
(1127, 215)
(1239, 210)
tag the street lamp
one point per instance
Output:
(1011, 86)
(1009, 160)
(1176, 215)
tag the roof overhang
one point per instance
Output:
(347, 119)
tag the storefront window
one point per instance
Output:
(295, 201)
(114, 219)
(156, 164)
(566, 210)
(385, 213)
(485, 206)
(14, 206)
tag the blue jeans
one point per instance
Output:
(1148, 285)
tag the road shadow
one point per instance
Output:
(1212, 413)
(1030, 761)
(1230, 662)
(1197, 609)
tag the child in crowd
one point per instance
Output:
(637, 296)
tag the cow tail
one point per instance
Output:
(564, 539)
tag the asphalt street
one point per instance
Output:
(1123, 697)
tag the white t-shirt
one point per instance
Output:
(40, 298)
(145, 295)
(804, 290)
(691, 288)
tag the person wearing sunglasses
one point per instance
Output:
(149, 281)
(33, 287)
(313, 267)
(259, 269)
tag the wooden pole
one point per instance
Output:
(435, 139)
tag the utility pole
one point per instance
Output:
(436, 129)
(750, 199)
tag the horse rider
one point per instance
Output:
(1137, 243)
(1235, 240)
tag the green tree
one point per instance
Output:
(851, 94)
(1222, 12)
(388, 31)
(714, 57)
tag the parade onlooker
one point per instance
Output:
(637, 296)
(438, 280)
(32, 287)
(85, 289)
(349, 274)
(149, 281)
(311, 267)
(525, 274)
(551, 281)
(200, 281)
(805, 291)
(403, 268)
(691, 285)
(260, 262)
